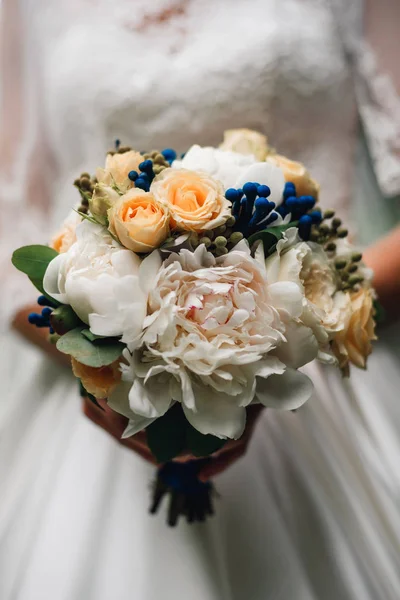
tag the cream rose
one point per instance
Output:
(117, 169)
(245, 141)
(353, 343)
(296, 173)
(139, 221)
(195, 200)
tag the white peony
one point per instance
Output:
(105, 284)
(324, 307)
(234, 169)
(209, 341)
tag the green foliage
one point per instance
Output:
(166, 436)
(97, 353)
(33, 261)
(202, 445)
(172, 434)
(92, 336)
(270, 237)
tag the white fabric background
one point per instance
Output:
(312, 511)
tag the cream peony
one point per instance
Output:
(105, 284)
(139, 221)
(324, 307)
(195, 201)
(212, 328)
(117, 169)
(233, 169)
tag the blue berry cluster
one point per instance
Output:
(300, 208)
(42, 319)
(146, 173)
(251, 207)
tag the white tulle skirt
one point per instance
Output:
(311, 512)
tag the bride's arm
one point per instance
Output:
(384, 258)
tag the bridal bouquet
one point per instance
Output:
(187, 289)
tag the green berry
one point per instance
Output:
(236, 237)
(221, 250)
(340, 263)
(342, 233)
(230, 221)
(356, 257)
(220, 241)
(336, 223)
(352, 268)
(328, 214)
(330, 247)
(206, 241)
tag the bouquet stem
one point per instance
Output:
(188, 496)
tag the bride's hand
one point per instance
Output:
(115, 424)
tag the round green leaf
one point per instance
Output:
(33, 260)
(98, 353)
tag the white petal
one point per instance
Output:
(149, 400)
(148, 271)
(216, 415)
(300, 348)
(287, 296)
(286, 392)
(135, 425)
(51, 279)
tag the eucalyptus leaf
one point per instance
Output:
(33, 261)
(98, 353)
(202, 445)
(166, 436)
(92, 336)
(270, 236)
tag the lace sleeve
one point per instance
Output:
(377, 99)
(25, 162)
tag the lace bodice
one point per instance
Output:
(170, 73)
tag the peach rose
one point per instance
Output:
(64, 239)
(100, 382)
(196, 201)
(245, 141)
(117, 169)
(139, 221)
(296, 173)
(353, 343)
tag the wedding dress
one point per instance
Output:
(312, 511)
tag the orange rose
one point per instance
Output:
(296, 173)
(245, 141)
(99, 382)
(195, 200)
(353, 343)
(139, 221)
(66, 236)
(117, 169)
